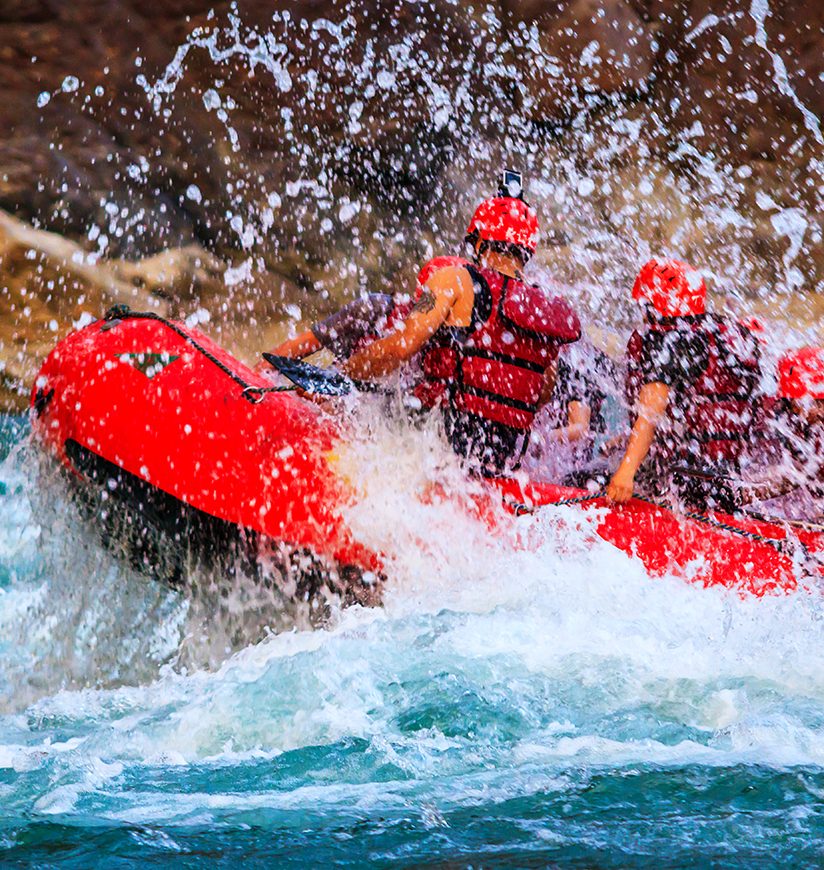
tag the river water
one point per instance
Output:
(505, 707)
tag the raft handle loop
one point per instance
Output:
(255, 394)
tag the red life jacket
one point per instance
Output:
(494, 368)
(717, 410)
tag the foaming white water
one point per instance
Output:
(589, 649)
(76, 613)
(502, 663)
(417, 505)
(73, 614)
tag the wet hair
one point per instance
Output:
(517, 251)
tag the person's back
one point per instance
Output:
(788, 481)
(711, 364)
(489, 375)
(691, 380)
(488, 339)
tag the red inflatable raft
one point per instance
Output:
(164, 426)
(745, 553)
(189, 439)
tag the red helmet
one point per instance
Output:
(506, 220)
(673, 288)
(801, 374)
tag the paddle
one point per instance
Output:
(312, 379)
(688, 471)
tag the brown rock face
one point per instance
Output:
(570, 49)
(749, 74)
(254, 156)
(315, 87)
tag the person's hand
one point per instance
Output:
(621, 486)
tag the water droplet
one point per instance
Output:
(211, 99)
(386, 79)
(586, 186)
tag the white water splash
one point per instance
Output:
(759, 10)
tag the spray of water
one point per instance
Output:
(524, 665)
(604, 184)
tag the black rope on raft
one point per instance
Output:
(801, 525)
(251, 393)
(520, 509)
(781, 545)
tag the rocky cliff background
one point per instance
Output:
(251, 165)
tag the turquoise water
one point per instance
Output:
(505, 708)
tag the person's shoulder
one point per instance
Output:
(439, 264)
(367, 308)
(450, 278)
(659, 344)
(457, 269)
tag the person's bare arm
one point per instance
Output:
(294, 348)
(652, 403)
(578, 420)
(548, 388)
(428, 314)
(299, 346)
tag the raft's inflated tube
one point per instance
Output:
(173, 411)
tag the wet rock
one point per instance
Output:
(50, 285)
(570, 49)
(357, 92)
(744, 84)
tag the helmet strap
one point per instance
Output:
(481, 250)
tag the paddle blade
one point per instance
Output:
(309, 378)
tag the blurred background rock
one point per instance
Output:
(252, 165)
